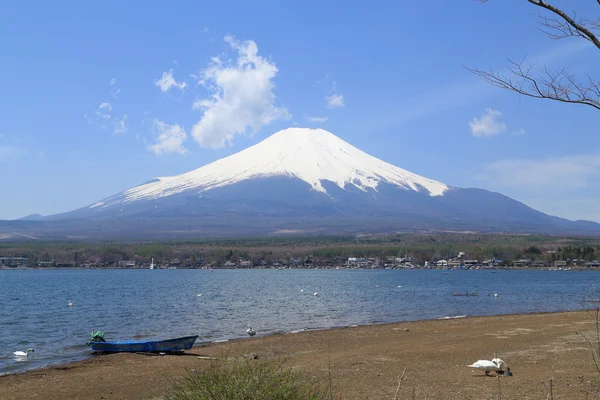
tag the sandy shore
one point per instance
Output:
(366, 361)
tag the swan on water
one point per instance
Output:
(250, 331)
(70, 304)
(23, 353)
(315, 294)
(485, 365)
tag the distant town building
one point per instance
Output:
(45, 264)
(126, 264)
(560, 264)
(13, 262)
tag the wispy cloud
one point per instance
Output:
(578, 207)
(120, 126)
(469, 90)
(167, 81)
(489, 124)
(566, 186)
(115, 94)
(102, 115)
(243, 97)
(106, 106)
(335, 101)
(520, 132)
(317, 119)
(557, 173)
(169, 139)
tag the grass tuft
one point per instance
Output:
(243, 379)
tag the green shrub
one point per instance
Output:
(249, 380)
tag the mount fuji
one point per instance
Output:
(301, 181)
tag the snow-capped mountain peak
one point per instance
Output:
(312, 155)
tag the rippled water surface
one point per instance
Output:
(218, 305)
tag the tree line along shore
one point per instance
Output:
(449, 250)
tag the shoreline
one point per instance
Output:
(577, 269)
(364, 366)
(91, 354)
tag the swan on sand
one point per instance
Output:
(250, 331)
(495, 364)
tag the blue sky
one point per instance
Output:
(100, 97)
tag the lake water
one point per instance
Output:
(154, 304)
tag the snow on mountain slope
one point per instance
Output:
(312, 155)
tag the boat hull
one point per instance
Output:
(134, 346)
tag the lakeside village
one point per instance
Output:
(461, 261)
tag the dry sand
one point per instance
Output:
(366, 362)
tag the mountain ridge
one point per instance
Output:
(311, 155)
(301, 180)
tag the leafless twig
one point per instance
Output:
(560, 85)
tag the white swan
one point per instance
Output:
(487, 366)
(499, 362)
(23, 353)
(70, 304)
(250, 332)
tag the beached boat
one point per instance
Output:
(135, 346)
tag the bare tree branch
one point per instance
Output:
(560, 85)
(556, 29)
(579, 28)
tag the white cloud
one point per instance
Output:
(115, 93)
(566, 186)
(488, 124)
(243, 99)
(120, 126)
(102, 115)
(317, 119)
(169, 139)
(113, 81)
(102, 112)
(105, 105)
(552, 173)
(335, 101)
(519, 132)
(167, 81)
